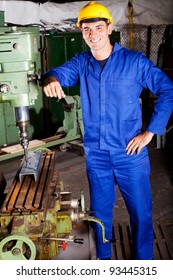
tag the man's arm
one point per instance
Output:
(151, 77)
(154, 79)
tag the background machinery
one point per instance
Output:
(20, 69)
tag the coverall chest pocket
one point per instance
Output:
(124, 96)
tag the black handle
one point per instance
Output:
(78, 240)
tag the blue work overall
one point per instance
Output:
(112, 116)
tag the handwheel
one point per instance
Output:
(17, 247)
(63, 147)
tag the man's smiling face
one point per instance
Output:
(96, 34)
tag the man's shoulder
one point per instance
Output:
(127, 50)
(84, 54)
(129, 54)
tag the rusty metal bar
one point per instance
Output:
(20, 202)
(42, 183)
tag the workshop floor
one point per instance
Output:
(71, 168)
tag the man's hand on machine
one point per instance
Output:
(138, 142)
(52, 88)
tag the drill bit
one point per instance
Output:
(22, 122)
(26, 155)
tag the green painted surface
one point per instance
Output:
(19, 57)
(1, 18)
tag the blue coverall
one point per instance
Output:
(112, 117)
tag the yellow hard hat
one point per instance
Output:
(94, 10)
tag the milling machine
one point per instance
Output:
(36, 214)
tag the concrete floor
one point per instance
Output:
(71, 169)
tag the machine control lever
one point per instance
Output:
(70, 239)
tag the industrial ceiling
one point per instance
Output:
(54, 1)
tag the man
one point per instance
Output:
(111, 79)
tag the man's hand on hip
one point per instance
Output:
(138, 142)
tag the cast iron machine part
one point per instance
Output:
(19, 52)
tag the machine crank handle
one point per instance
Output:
(70, 239)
